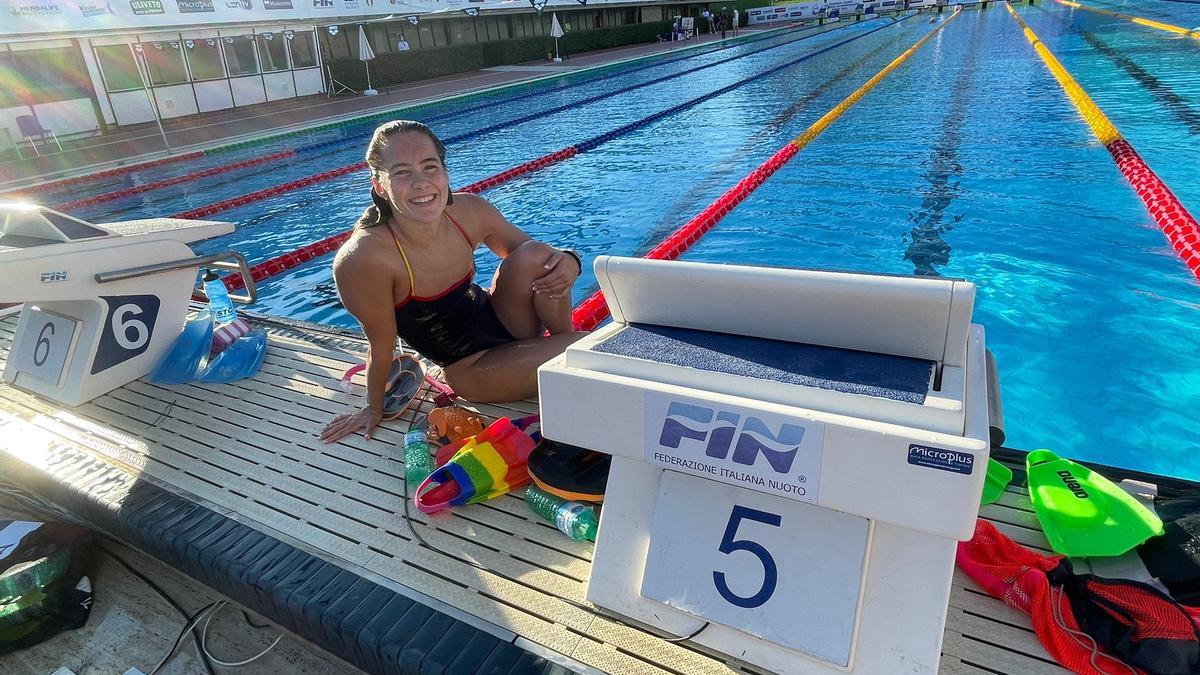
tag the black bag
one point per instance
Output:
(43, 587)
(1132, 621)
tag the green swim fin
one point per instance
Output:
(1083, 513)
(998, 477)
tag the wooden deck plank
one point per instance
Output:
(975, 651)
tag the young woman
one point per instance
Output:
(408, 269)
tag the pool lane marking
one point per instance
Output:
(1135, 19)
(265, 193)
(286, 261)
(926, 246)
(592, 311)
(1168, 212)
(1158, 89)
(466, 96)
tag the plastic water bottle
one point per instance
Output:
(577, 521)
(218, 298)
(418, 462)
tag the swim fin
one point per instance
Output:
(570, 472)
(998, 477)
(241, 359)
(1083, 513)
(181, 362)
(404, 382)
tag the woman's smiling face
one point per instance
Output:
(413, 177)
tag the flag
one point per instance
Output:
(555, 28)
(365, 53)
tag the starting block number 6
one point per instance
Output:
(121, 324)
(128, 328)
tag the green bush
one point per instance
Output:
(423, 64)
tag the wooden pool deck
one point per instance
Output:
(250, 451)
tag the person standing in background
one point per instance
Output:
(737, 17)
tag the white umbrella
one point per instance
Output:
(556, 31)
(365, 54)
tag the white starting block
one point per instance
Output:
(795, 455)
(103, 304)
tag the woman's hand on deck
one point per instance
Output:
(344, 425)
(561, 272)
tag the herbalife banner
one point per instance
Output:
(74, 17)
(781, 13)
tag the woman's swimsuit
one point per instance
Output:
(453, 324)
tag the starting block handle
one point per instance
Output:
(225, 260)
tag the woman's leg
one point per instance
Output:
(508, 372)
(524, 313)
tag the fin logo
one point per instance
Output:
(723, 432)
(1073, 484)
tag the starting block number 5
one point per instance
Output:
(775, 568)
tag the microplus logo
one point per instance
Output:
(747, 437)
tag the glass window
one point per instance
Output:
(164, 63)
(204, 60)
(41, 76)
(272, 53)
(304, 54)
(118, 67)
(239, 56)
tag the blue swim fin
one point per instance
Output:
(241, 359)
(180, 364)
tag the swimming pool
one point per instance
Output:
(968, 162)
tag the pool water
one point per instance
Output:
(968, 161)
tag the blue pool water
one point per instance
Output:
(968, 161)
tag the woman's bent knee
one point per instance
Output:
(528, 259)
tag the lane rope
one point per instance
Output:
(1168, 212)
(592, 311)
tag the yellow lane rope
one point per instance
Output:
(1135, 19)
(1104, 129)
(837, 111)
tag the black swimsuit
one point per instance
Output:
(453, 324)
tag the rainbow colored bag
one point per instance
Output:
(489, 464)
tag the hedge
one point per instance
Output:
(423, 64)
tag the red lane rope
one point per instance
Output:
(594, 310)
(1168, 212)
(126, 192)
(63, 182)
(287, 261)
(268, 192)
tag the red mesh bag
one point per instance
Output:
(1088, 624)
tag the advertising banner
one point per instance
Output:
(81, 17)
(795, 12)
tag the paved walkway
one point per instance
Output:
(196, 132)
